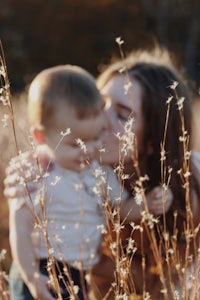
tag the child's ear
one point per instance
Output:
(38, 135)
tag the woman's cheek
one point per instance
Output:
(110, 145)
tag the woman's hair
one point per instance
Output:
(64, 84)
(161, 84)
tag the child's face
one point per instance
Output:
(88, 129)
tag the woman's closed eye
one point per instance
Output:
(123, 115)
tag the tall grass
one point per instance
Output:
(178, 278)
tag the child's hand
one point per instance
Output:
(159, 201)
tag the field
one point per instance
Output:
(7, 150)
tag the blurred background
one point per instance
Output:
(37, 34)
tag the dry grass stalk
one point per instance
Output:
(123, 286)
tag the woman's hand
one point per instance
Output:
(159, 201)
(24, 170)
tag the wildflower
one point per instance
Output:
(162, 154)
(114, 213)
(147, 296)
(122, 70)
(81, 144)
(187, 174)
(57, 179)
(76, 225)
(170, 169)
(164, 186)
(138, 196)
(182, 139)
(136, 227)
(176, 295)
(66, 132)
(127, 87)
(149, 218)
(119, 41)
(170, 251)
(130, 247)
(180, 103)
(125, 176)
(102, 150)
(118, 227)
(179, 172)
(2, 71)
(163, 291)
(45, 175)
(102, 228)
(76, 289)
(118, 169)
(3, 100)
(113, 247)
(166, 236)
(174, 85)
(127, 139)
(51, 251)
(3, 254)
(169, 100)
(187, 155)
(96, 190)
(144, 178)
(99, 172)
(121, 297)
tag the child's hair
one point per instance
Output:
(64, 84)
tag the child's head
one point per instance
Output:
(65, 97)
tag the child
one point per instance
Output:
(65, 209)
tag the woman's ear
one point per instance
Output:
(38, 135)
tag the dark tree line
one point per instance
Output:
(39, 33)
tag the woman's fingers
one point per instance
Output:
(160, 201)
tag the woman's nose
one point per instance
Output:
(108, 118)
(112, 121)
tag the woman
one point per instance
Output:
(163, 151)
(147, 88)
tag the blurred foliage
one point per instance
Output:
(37, 34)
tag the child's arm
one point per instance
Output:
(21, 225)
(156, 202)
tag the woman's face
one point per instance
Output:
(119, 107)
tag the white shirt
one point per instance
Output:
(74, 213)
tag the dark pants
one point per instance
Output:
(19, 290)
